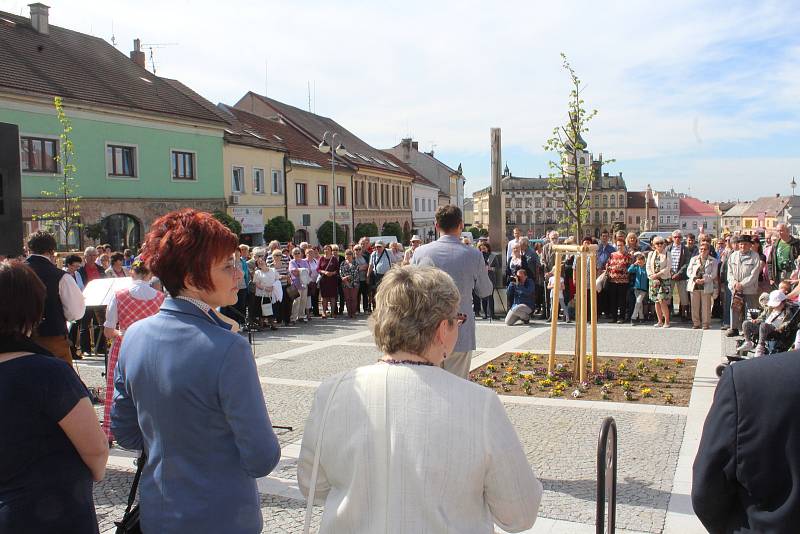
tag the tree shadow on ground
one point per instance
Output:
(629, 491)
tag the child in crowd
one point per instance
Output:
(551, 283)
(638, 273)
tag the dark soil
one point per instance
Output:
(617, 379)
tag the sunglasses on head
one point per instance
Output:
(460, 318)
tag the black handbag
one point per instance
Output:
(129, 524)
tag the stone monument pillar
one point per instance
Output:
(497, 219)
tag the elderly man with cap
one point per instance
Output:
(380, 261)
(744, 266)
(415, 243)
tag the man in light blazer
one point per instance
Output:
(468, 270)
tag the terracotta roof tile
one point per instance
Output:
(87, 69)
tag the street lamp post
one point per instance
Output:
(325, 147)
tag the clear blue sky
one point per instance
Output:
(692, 95)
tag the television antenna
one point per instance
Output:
(153, 46)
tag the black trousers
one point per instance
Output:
(617, 300)
(363, 294)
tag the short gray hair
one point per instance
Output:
(90, 251)
(410, 304)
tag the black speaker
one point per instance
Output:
(10, 192)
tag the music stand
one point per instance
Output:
(249, 331)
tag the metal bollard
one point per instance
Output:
(607, 476)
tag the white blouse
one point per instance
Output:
(264, 280)
(416, 449)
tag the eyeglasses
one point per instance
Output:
(460, 318)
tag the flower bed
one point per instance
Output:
(643, 380)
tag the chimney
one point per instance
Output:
(415, 145)
(137, 55)
(39, 18)
(406, 144)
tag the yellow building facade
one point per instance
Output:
(255, 187)
(311, 198)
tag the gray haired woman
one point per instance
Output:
(475, 466)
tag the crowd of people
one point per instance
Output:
(193, 287)
(690, 279)
(185, 390)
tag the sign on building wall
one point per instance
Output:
(251, 219)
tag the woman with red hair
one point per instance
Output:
(187, 390)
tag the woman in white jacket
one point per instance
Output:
(405, 446)
(265, 279)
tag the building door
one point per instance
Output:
(122, 231)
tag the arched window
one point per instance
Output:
(519, 217)
(583, 160)
(597, 217)
(621, 200)
(605, 217)
(538, 216)
(509, 219)
(528, 217)
(613, 201)
(605, 201)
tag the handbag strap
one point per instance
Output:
(312, 490)
(135, 484)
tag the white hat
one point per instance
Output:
(415, 237)
(380, 243)
(776, 298)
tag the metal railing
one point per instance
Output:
(607, 476)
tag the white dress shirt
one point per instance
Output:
(140, 290)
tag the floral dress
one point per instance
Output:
(660, 289)
(349, 269)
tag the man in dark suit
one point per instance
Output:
(64, 300)
(747, 469)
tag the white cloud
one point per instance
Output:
(674, 81)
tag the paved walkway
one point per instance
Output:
(656, 444)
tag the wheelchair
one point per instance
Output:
(781, 341)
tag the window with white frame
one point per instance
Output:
(300, 194)
(276, 182)
(258, 181)
(38, 154)
(322, 195)
(121, 161)
(341, 195)
(237, 180)
(183, 165)
(416, 204)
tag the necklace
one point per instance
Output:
(405, 362)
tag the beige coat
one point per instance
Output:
(709, 274)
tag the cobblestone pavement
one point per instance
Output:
(560, 441)
(630, 340)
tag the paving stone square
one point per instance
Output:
(626, 340)
(318, 364)
(560, 441)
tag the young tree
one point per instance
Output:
(66, 215)
(568, 175)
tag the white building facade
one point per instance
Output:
(423, 209)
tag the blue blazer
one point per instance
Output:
(187, 390)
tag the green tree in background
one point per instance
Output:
(279, 228)
(365, 230)
(232, 224)
(476, 233)
(393, 228)
(325, 234)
